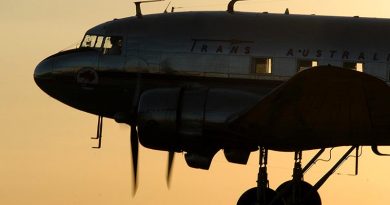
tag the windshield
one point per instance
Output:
(108, 45)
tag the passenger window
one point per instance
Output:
(112, 45)
(354, 66)
(360, 67)
(305, 64)
(262, 66)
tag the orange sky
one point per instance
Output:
(45, 152)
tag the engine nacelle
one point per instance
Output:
(157, 116)
(199, 160)
(189, 119)
(237, 156)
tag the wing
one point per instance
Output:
(320, 107)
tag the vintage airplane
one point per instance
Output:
(199, 82)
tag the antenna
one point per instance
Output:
(138, 11)
(230, 8)
(166, 8)
(173, 8)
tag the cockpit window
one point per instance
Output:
(99, 42)
(109, 45)
(88, 41)
(112, 45)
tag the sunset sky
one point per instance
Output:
(45, 146)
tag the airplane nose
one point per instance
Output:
(43, 72)
(43, 69)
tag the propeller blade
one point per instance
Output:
(134, 133)
(171, 157)
(134, 154)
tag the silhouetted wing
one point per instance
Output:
(342, 105)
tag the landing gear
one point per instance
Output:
(250, 197)
(262, 194)
(295, 191)
(298, 193)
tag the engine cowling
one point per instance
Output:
(190, 119)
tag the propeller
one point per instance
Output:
(134, 133)
(171, 157)
(134, 140)
(134, 154)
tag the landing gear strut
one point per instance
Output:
(293, 192)
(262, 194)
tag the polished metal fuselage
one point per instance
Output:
(211, 50)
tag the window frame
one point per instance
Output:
(268, 65)
(102, 43)
(300, 68)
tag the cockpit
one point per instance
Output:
(108, 45)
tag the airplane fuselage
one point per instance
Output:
(192, 72)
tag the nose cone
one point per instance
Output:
(43, 72)
(43, 69)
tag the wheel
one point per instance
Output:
(250, 197)
(298, 193)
